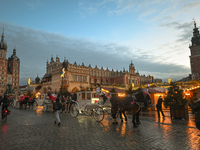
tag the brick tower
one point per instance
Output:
(9, 70)
(195, 54)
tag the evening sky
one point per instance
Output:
(153, 34)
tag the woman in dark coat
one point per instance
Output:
(159, 107)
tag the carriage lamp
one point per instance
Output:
(95, 100)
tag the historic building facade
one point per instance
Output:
(78, 77)
(195, 54)
(9, 70)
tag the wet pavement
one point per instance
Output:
(31, 130)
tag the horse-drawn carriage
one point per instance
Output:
(45, 101)
(88, 102)
(23, 101)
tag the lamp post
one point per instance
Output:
(62, 75)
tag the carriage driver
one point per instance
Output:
(100, 93)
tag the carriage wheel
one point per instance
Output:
(87, 112)
(34, 106)
(45, 107)
(18, 105)
(74, 110)
(98, 114)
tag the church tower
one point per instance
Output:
(195, 54)
(9, 70)
(13, 73)
(3, 65)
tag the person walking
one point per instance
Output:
(69, 103)
(196, 108)
(159, 107)
(57, 107)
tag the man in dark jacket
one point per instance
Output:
(57, 106)
(5, 102)
(196, 108)
(159, 107)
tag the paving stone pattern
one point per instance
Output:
(35, 130)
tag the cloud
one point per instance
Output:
(185, 29)
(33, 4)
(34, 47)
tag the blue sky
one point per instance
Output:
(154, 34)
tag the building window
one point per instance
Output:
(92, 81)
(79, 78)
(84, 78)
(74, 77)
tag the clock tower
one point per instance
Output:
(195, 54)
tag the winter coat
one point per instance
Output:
(159, 104)
(196, 108)
(58, 103)
(5, 101)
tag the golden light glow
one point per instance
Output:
(103, 90)
(169, 81)
(63, 72)
(36, 95)
(39, 110)
(121, 94)
(29, 81)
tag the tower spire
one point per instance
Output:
(196, 38)
(3, 45)
(195, 24)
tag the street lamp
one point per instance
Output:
(62, 75)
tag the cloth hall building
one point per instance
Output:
(79, 77)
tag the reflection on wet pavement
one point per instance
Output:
(39, 110)
(84, 132)
(167, 120)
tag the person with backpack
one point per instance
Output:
(5, 102)
(57, 106)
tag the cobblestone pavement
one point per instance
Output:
(33, 130)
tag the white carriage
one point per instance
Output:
(88, 102)
(43, 100)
